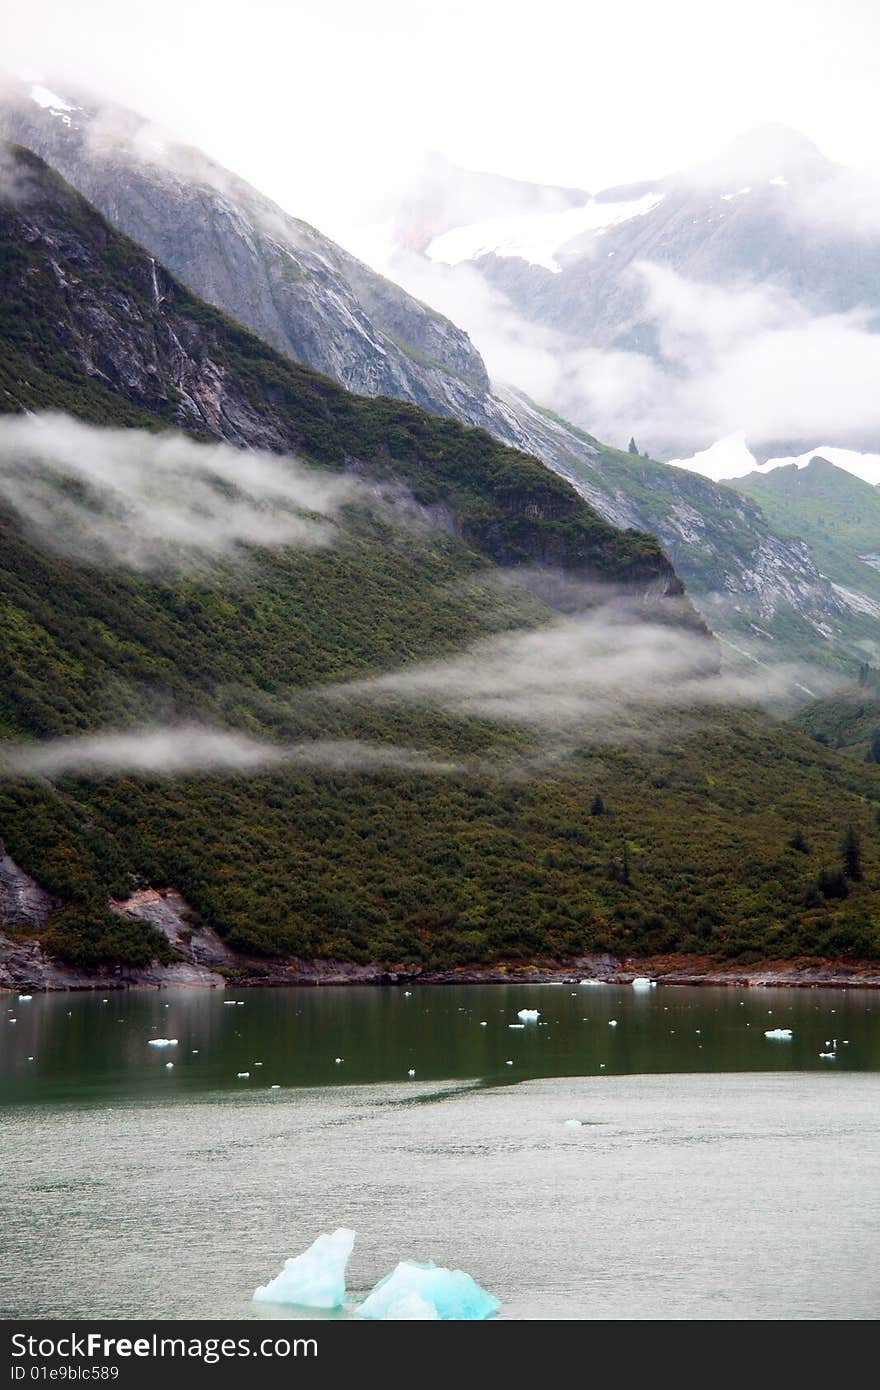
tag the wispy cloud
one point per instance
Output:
(190, 749)
(144, 501)
(611, 676)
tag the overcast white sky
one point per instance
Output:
(320, 101)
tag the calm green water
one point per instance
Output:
(88, 1047)
(715, 1174)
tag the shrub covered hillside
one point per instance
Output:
(725, 834)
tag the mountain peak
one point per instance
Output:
(765, 152)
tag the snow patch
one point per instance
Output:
(536, 237)
(50, 101)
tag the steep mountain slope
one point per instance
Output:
(483, 846)
(839, 516)
(755, 584)
(763, 210)
(233, 247)
(849, 719)
(226, 242)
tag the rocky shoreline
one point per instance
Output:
(204, 961)
(24, 965)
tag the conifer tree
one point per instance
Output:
(851, 847)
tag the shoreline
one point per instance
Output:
(25, 966)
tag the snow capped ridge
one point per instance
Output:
(537, 237)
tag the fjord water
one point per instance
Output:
(715, 1173)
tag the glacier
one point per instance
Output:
(314, 1279)
(444, 1294)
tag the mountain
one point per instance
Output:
(680, 281)
(442, 196)
(209, 229)
(849, 719)
(839, 516)
(235, 248)
(739, 217)
(178, 735)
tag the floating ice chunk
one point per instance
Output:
(168, 1066)
(572, 1124)
(529, 1015)
(516, 1025)
(509, 1062)
(779, 1034)
(314, 1279)
(337, 1060)
(161, 1042)
(831, 1055)
(592, 982)
(643, 982)
(229, 1003)
(484, 1024)
(411, 1072)
(453, 1295)
(411, 1307)
(242, 1075)
(239, 1003)
(612, 1023)
(407, 994)
(276, 1087)
(23, 998)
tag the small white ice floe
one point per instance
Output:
(643, 982)
(276, 1087)
(337, 1060)
(161, 1042)
(572, 1124)
(314, 1279)
(242, 1075)
(612, 1023)
(779, 1034)
(23, 998)
(258, 1064)
(168, 1066)
(592, 982)
(239, 1003)
(411, 1072)
(516, 1025)
(13, 1020)
(529, 1015)
(830, 1055)
(30, 1059)
(195, 1052)
(484, 1024)
(229, 1003)
(407, 994)
(509, 1062)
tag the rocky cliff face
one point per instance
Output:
(318, 305)
(271, 272)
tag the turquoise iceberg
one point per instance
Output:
(414, 1290)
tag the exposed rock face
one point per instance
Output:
(271, 272)
(169, 913)
(25, 965)
(317, 304)
(23, 903)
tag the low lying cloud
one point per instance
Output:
(748, 358)
(189, 749)
(611, 676)
(145, 501)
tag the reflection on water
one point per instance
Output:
(87, 1047)
(715, 1174)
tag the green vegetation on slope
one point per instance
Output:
(726, 840)
(836, 513)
